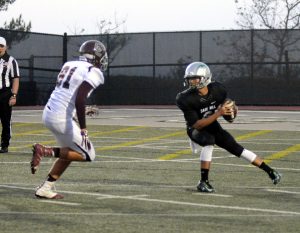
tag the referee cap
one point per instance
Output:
(2, 41)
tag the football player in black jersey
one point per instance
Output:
(202, 104)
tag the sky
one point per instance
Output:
(59, 16)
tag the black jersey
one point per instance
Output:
(195, 106)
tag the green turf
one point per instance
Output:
(128, 189)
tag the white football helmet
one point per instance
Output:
(197, 70)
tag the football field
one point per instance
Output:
(144, 178)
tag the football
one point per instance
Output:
(229, 103)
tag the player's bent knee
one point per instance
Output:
(201, 137)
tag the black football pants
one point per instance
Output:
(5, 116)
(216, 135)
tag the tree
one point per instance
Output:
(17, 24)
(279, 17)
(16, 27)
(5, 3)
(269, 14)
(273, 15)
(111, 29)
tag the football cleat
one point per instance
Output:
(39, 151)
(46, 191)
(205, 187)
(4, 150)
(275, 177)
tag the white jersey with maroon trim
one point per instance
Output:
(72, 74)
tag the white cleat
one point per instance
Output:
(46, 191)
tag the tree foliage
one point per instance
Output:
(268, 14)
(15, 29)
(279, 18)
(5, 3)
(17, 24)
(117, 36)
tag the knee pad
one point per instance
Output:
(248, 155)
(195, 147)
(206, 153)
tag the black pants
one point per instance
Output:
(5, 116)
(215, 134)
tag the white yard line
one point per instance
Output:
(60, 202)
(212, 194)
(136, 198)
(144, 214)
(282, 191)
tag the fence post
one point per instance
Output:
(65, 47)
(108, 54)
(154, 67)
(200, 46)
(252, 65)
(252, 55)
(31, 68)
(287, 68)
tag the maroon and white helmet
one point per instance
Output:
(95, 53)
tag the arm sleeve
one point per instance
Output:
(80, 101)
(15, 72)
(190, 115)
(223, 93)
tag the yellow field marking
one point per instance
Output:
(282, 153)
(117, 130)
(175, 155)
(49, 142)
(251, 135)
(21, 124)
(188, 151)
(30, 132)
(132, 143)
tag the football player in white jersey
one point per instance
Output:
(75, 82)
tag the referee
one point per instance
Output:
(9, 86)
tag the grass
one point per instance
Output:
(128, 188)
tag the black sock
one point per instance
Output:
(266, 168)
(56, 152)
(50, 178)
(204, 174)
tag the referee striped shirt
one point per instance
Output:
(9, 69)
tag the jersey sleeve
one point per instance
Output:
(15, 72)
(190, 114)
(94, 77)
(222, 92)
